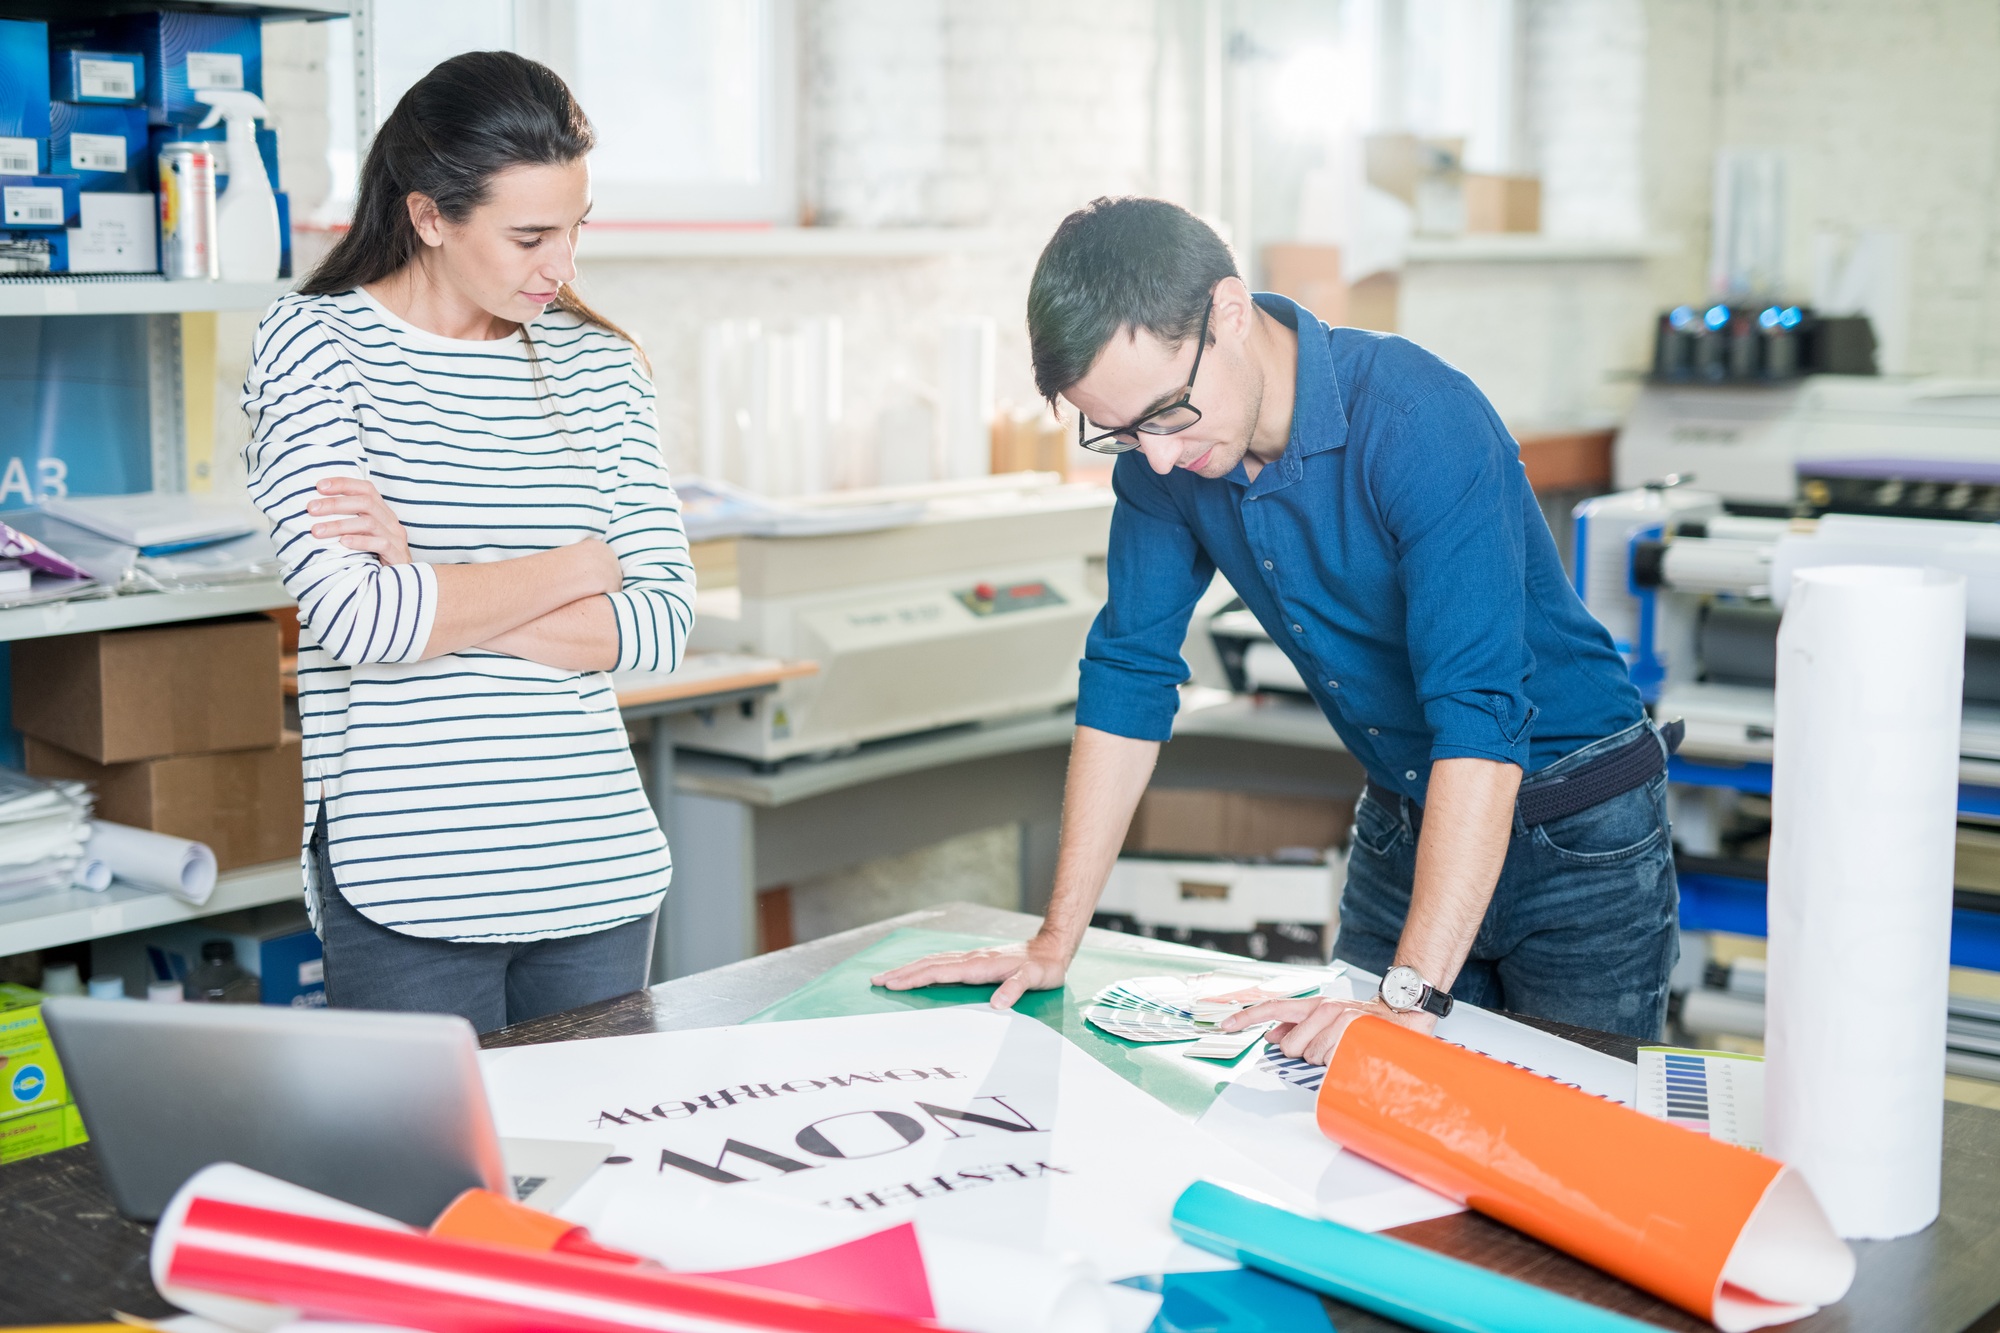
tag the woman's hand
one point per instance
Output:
(351, 509)
(1309, 1029)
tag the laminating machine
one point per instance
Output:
(972, 606)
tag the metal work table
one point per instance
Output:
(736, 830)
(65, 1254)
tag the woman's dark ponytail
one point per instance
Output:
(472, 117)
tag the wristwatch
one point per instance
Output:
(1405, 991)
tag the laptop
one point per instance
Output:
(382, 1110)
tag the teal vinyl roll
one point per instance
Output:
(1390, 1277)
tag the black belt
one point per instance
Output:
(1560, 795)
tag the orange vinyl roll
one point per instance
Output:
(1655, 1204)
(482, 1215)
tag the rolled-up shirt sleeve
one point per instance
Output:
(655, 608)
(1450, 488)
(303, 429)
(1157, 571)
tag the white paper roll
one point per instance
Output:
(93, 874)
(1864, 819)
(975, 1286)
(154, 860)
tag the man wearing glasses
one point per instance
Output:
(1511, 847)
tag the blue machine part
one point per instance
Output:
(1737, 905)
(1648, 671)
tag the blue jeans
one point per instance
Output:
(369, 966)
(1584, 925)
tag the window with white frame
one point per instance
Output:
(694, 101)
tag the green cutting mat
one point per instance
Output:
(1186, 1086)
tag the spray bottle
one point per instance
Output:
(246, 217)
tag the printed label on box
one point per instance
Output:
(33, 205)
(106, 78)
(216, 70)
(18, 157)
(97, 152)
(312, 973)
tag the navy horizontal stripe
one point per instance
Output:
(482, 450)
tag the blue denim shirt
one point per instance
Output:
(1395, 553)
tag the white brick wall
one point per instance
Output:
(1585, 66)
(1002, 115)
(1889, 116)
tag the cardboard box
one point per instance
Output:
(1281, 913)
(1310, 275)
(32, 1135)
(31, 1079)
(108, 78)
(122, 695)
(245, 804)
(1199, 822)
(119, 233)
(24, 79)
(1502, 203)
(34, 252)
(32, 203)
(183, 53)
(73, 1131)
(1031, 440)
(104, 147)
(276, 944)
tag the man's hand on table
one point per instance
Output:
(1309, 1029)
(1017, 969)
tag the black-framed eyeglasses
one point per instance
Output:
(1172, 419)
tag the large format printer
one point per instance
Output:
(1691, 578)
(959, 602)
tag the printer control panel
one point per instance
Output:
(986, 599)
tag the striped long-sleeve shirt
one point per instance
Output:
(472, 796)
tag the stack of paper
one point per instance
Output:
(43, 829)
(1151, 1009)
(157, 522)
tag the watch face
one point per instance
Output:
(1402, 988)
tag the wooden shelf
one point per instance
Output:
(50, 919)
(134, 609)
(139, 294)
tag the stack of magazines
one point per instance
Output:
(44, 827)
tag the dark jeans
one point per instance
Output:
(1584, 925)
(491, 985)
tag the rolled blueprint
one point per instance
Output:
(154, 861)
(1864, 812)
(1405, 1282)
(1725, 1233)
(978, 1287)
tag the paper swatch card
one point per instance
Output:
(1187, 1009)
(1716, 1093)
(984, 1125)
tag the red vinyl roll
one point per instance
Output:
(341, 1270)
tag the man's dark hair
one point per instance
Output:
(1118, 263)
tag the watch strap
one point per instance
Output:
(1436, 1001)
